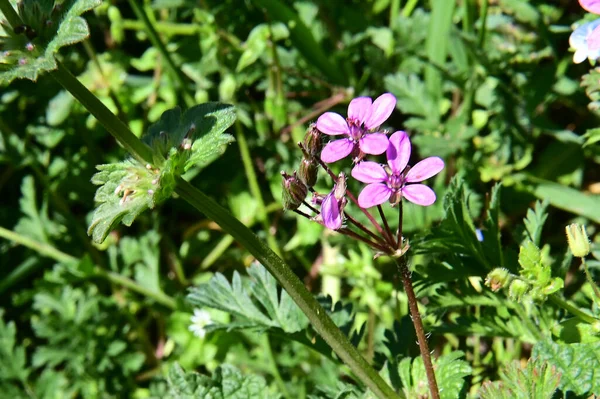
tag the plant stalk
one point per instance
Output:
(418, 323)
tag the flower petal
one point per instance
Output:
(360, 108)
(332, 124)
(425, 169)
(336, 150)
(373, 143)
(330, 212)
(369, 172)
(592, 6)
(374, 194)
(593, 40)
(419, 194)
(398, 152)
(381, 109)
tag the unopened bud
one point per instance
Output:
(517, 289)
(308, 172)
(340, 187)
(294, 191)
(578, 240)
(498, 278)
(312, 141)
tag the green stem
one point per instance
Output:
(591, 281)
(394, 9)
(275, 368)
(575, 311)
(59, 256)
(409, 7)
(319, 319)
(157, 42)
(114, 125)
(169, 28)
(254, 187)
(483, 17)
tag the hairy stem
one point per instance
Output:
(418, 323)
(591, 281)
(574, 310)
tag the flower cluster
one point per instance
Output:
(361, 136)
(585, 40)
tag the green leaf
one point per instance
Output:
(566, 198)
(537, 380)
(534, 221)
(235, 298)
(14, 364)
(529, 256)
(450, 372)
(578, 365)
(179, 142)
(56, 25)
(227, 382)
(258, 41)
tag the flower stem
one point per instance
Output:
(418, 323)
(387, 232)
(319, 319)
(400, 214)
(557, 300)
(591, 281)
(114, 125)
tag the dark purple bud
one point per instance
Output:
(308, 172)
(312, 141)
(294, 191)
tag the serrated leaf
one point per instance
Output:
(450, 372)
(13, 364)
(529, 256)
(534, 221)
(54, 27)
(537, 380)
(235, 299)
(578, 364)
(227, 382)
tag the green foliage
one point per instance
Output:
(577, 364)
(48, 26)
(227, 382)
(537, 380)
(178, 142)
(450, 372)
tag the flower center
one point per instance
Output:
(356, 130)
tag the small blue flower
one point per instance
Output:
(579, 40)
(479, 235)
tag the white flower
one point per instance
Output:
(579, 40)
(200, 319)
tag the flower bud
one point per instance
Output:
(294, 191)
(308, 172)
(578, 240)
(498, 278)
(340, 187)
(312, 141)
(517, 289)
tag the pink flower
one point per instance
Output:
(364, 117)
(332, 206)
(392, 182)
(593, 38)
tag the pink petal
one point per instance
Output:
(419, 194)
(336, 150)
(381, 109)
(398, 152)
(330, 212)
(374, 194)
(332, 124)
(592, 6)
(425, 169)
(369, 172)
(593, 39)
(373, 143)
(360, 108)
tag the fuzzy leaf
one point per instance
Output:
(178, 142)
(534, 222)
(227, 382)
(579, 365)
(55, 25)
(537, 380)
(529, 256)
